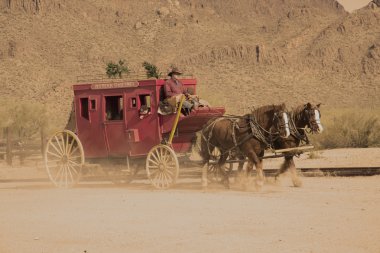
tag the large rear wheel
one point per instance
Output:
(64, 159)
(162, 166)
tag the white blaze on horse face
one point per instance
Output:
(286, 122)
(318, 120)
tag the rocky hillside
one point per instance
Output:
(252, 51)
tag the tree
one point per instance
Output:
(116, 69)
(151, 70)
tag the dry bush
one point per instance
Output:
(25, 118)
(349, 128)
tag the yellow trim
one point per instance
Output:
(176, 120)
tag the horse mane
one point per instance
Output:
(297, 112)
(260, 112)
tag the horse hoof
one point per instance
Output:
(259, 185)
(297, 183)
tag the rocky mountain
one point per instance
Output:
(243, 52)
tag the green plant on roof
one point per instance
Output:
(151, 70)
(116, 69)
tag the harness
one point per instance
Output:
(256, 131)
(294, 130)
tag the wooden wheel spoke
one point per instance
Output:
(153, 175)
(56, 149)
(72, 158)
(54, 154)
(70, 146)
(59, 145)
(166, 181)
(168, 176)
(155, 157)
(152, 161)
(170, 172)
(158, 156)
(157, 178)
(71, 175)
(73, 151)
(153, 167)
(65, 176)
(63, 144)
(58, 173)
(73, 168)
(74, 163)
(66, 143)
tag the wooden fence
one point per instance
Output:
(12, 147)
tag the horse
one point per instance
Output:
(250, 135)
(302, 117)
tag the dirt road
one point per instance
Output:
(326, 215)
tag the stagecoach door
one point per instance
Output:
(89, 125)
(114, 125)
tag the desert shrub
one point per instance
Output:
(24, 118)
(151, 70)
(116, 69)
(349, 128)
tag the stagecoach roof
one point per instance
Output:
(122, 84)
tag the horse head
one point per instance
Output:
(311, 116)
(281, 120)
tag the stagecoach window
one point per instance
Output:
(114, 107)
(93, 104)
(134, 102)
(145, 101)
(84, 108)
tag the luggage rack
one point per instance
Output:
(132, 76)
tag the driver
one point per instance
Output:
(174, 89)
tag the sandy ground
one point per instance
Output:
(328, 214)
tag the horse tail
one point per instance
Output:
(206, 148)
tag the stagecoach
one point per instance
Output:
(118, 122)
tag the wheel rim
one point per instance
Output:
(214, 175)
(64, 158)
(162, 166)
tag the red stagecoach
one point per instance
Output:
(119, 121)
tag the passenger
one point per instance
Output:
(144, 111)
(174, 89)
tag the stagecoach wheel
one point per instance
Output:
(162, 166)
(213, 174)
(64, 158)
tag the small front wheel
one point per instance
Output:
(162, 166)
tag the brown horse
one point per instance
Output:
(250, 135)
(302, 118)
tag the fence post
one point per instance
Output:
(8, 150)
(43, 141)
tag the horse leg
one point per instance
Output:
(293, 172)
(254, 159)
(225, 174)
(260, 174)
(284, 167)
(240, 168)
